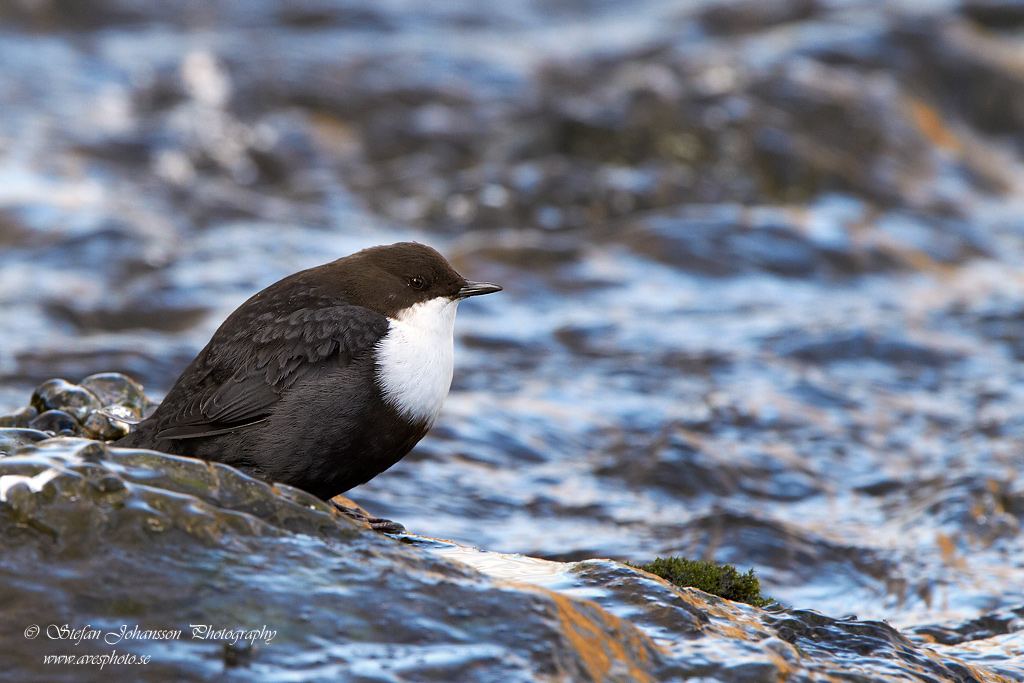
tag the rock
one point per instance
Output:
(113, 388)
(155, 534)
(71, 410)
(57, 422)
(133, 315)
(697, 243)
(13, 438)
(58, 394)
(755, 15)
(102, 426)
(724, 240)
(334, 594)
(19, 418)
(860, 344)
(988, 625)
(967, 68)
(1003, 322)
(995, 14)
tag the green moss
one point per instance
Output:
(718, 579)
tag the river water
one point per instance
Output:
(762, 261)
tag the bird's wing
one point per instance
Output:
(249, 369)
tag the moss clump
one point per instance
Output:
(718, 579)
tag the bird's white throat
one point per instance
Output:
(416, 357)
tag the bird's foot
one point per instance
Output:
(385, 526)
(353, 511)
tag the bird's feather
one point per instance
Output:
(284, 351)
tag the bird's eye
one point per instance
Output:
(417, 282)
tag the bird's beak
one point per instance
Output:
(476, 289)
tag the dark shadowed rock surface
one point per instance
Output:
(763, 299)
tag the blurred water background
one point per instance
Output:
(764, 298)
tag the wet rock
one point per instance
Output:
(12, 232)
(686, 464)
(19, 418)
(730, 239)
(1001, 321)
(122, 399)
(133, 316)
(948, 51)
(649, 130)
(86, 462)
(752, 15)
(698, 244)
(320, 14)
(997, 14)
(104, 427)
(525, 251)
(111, 247)
(58, 14)
(592, 342)
(61, 395)
(875, 641)
(89, 15)
(13, 438)
(58, 502)
(782, 638)
(56, 422)
(856, 345)
(113, 388)
(677, 463)
(988, 625)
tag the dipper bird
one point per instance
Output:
(324, 379)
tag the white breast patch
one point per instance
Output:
(415, 358)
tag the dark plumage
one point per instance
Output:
(289, 388)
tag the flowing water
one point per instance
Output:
(762, 261)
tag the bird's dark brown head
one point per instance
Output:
(390, 278)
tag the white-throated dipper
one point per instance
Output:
(324, 379)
